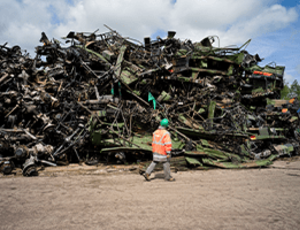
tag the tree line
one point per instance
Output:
(291, 91)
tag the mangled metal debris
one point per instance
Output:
(100, 98)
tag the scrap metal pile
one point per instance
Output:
(100, 99)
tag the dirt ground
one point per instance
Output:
(215, 199)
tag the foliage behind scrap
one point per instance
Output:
(292, 91)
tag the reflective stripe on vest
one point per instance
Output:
(159, 142)
(168, 143)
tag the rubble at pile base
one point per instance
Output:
(100, 99)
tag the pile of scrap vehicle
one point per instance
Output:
(99, 99)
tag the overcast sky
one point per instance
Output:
(273, 25)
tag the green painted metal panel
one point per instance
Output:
(193, 161)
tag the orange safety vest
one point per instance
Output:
(161, 142)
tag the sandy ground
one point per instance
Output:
(215, 199)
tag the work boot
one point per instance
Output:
(147, 176)
(172, 179)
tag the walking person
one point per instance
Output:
(161, 148)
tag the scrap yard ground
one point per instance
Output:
(214, 199)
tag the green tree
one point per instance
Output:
(285, 91)
(295, 90)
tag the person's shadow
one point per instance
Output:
(158, 176)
